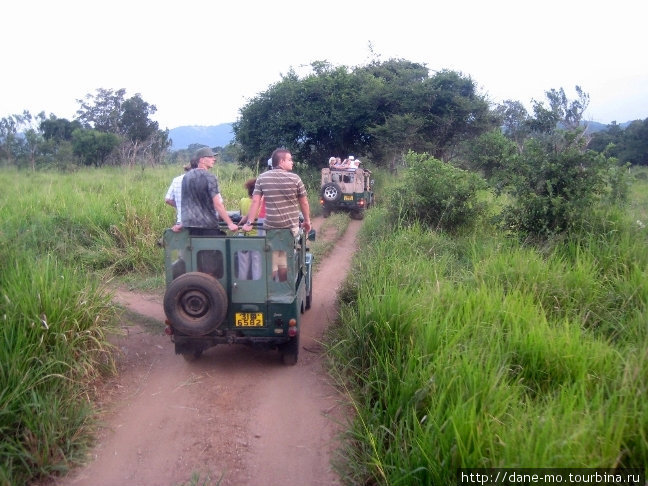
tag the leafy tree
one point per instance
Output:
(515, 121)
(454, 113)
(338, 111)
(634, 143)
(561, 113)
(93, 146)
(493, 154)
(102, 111)
(58, 129)
(554, 190)
(9, 137)
(33, 138)
(628, 145)
(110, 112)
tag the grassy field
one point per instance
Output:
(65, 238)
(456, 352)
(480, 351)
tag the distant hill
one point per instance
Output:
(212, 136)
(221, 135)
(593, 127)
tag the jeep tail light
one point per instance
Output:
(292, 322)
(292, 331)
(321, 201)
(168, 330)
(361, 202)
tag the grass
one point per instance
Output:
(478, 351)
(468, 351)
(65, 237)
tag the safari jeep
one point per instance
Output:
(346, 190)
(224, 289)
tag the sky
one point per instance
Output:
(199, 62)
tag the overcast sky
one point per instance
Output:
(199, 62)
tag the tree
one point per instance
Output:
(32, 136)
(561, 112)
(93, 146)
(9, 137)
(515, 121)
(58, 129)
(102, 111)
(110, 112)
(338, 111)
(494, 155)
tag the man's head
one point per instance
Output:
(282, 159)
(203, 158)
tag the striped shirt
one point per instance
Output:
(282, 191)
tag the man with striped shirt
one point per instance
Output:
(284, 194)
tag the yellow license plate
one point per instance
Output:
(348, 198)
(249, 319)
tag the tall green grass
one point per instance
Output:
(478, 351)
(53, 325)
(63, 237)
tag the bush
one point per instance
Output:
(555, 189)
(436, 194)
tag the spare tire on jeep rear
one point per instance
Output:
(331, 192)
(195, 303)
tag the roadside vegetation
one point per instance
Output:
(486, 348)
(67, 238)
(496, 316)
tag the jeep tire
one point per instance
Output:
(195, 303)
(331, 192)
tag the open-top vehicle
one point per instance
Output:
(231, 289)
(346, 189)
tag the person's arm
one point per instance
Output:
(254, 209)
(305, 209)
(222, 212)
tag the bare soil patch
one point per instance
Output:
(236, 415)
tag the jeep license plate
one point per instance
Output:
(249, 319)
(348, 198)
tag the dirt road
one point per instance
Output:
(237, 415)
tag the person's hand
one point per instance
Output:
(232, 226)
(306, 225)
(176, 228)
(246, 227)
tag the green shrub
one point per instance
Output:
(553, 188)
(436, 194)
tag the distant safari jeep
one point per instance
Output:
(236, 289)
(348, 190)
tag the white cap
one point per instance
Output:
(351, 157)
(270, 162)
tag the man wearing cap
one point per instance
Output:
(201, 202)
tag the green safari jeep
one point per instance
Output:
(236, 289)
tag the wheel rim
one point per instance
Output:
(194, 304)
(330, 193)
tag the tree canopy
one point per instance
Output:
(380, 110)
